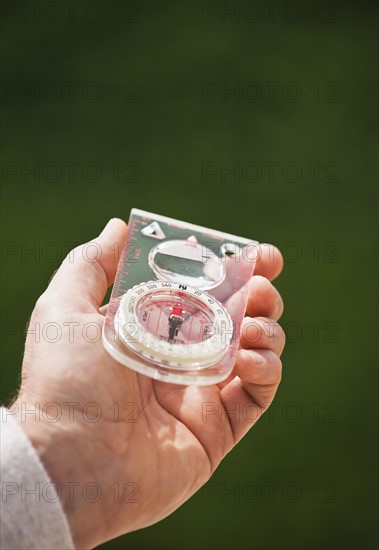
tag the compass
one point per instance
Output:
(164, 319)
(174, 325)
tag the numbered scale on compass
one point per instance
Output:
(174, 325)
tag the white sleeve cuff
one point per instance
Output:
(32, 516)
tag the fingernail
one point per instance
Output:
(252, 355)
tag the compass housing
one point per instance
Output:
(148, 312)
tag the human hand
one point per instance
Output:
(145, 468)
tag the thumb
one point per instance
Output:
(81, 282)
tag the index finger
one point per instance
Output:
(269, 262)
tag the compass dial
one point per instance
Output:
(174, 324)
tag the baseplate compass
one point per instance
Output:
(176, 308)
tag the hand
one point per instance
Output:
(147, 468)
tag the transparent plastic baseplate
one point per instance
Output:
(178, 300)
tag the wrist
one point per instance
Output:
(63, 461)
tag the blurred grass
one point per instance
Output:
(170, 132)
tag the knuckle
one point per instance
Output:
(86, 257)
(274, 372)
(275, 334)
(279, 339)
(75, 254)
(277, 375)
(282, 335)
(279, 304)
(41, 305)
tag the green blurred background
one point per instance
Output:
(148, 123)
